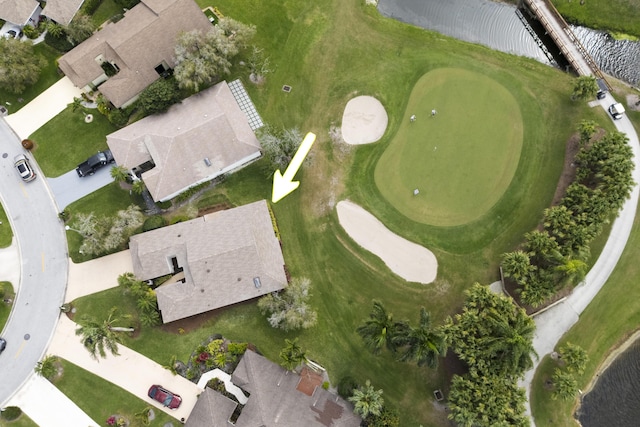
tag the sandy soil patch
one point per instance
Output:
(412, 262)
(364, 121)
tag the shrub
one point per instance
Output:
(90, 6)
(127, 4)
(159, 96)
(30, 32)
(178, 218)
(11, 413)
(153, 222)
(118, 117)
(164, 205)
(346, 386)
(61, 43)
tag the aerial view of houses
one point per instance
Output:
(335, 213)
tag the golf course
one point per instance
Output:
(486, 163)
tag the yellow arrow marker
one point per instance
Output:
(284, 184)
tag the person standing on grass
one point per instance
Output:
(433, 113)
(412, 118)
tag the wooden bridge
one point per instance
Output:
(563, 37)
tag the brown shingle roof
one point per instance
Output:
(221, 254)
(274, 400)
(207, 125)
(62, 11)
(17, 11)
(138, 43)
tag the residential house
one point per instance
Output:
(125, 57)
(20, 12)
(216, 260)
(205, 136)
(278, 398)
(62, 11)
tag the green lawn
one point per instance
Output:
(106, 10)
(22, 421)
(463, 159)
(6, 234)
(100, 399)
(617, 15)
(48, 76)
(6, 292)
(330, 53)
(66, 140)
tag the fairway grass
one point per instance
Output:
(462, 159)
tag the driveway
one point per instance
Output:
(70, 187)
(43, 108)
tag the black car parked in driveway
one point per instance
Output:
(95, 162)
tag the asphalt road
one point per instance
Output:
(44, 265)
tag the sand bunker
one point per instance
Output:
(364, 121)
(412, 262)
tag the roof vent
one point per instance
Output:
(207, 161)
(256, 282)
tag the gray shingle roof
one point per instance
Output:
(138, 43)
(62, 11)
(206, 125)
(17, 11)
(221, 254)
(274, 400)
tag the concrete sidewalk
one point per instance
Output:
(10, 263)
(130, 371)
(43, 108)
(49, 407)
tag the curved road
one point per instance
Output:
(44, 266)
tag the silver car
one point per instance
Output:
(24, 168)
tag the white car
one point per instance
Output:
(24, 168)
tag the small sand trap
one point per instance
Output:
(364, 121)
(412, 262)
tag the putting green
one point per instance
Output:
(462, 159)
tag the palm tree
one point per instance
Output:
(367, 401)
(584, 87)
(423, 344)
(138, 186)
(565, 385)
(98, 337)
(573, 270)
(292, 354)
(574, 357)
(380, 329)
(517, 265)
(119, 173)
(46, 368)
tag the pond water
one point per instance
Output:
(497, 26)
(614, 401)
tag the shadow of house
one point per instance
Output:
(125, 57)
(205, 136)
(275, 400)
(217, 260)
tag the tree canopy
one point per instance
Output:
(19, 65)
(290, 309)
(202, 57)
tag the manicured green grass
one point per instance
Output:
(462, 159)
(48, 76)
(6, 292)
(66, 140)
(330, 53)
(106, 10)
(6, 234)
(100, 399)
(617, 15)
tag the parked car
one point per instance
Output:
(95, 162)
(616, 111)
(14, 33)
(164, 396)
(602, 89)
(3, 344)
(24, 168)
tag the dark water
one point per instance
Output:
(615, 399)
(497, 26)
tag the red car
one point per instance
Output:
(164, 396)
